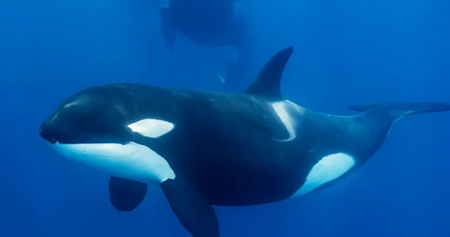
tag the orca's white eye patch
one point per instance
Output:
(151, 127)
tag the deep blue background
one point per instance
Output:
(346, 52)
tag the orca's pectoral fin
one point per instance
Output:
(167, 29)
(194, 211)
(126, 195)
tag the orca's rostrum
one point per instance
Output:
(207, 148)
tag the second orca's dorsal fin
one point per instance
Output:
(267, 83)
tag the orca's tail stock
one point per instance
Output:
(396, 111)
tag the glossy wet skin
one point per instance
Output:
(86, 118)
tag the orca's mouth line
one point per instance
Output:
(50, 139)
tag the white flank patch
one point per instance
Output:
(222, 80)
(327, 169)
(131, 161)
(151, 127)
(283, 113)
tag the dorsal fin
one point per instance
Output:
(267, 83)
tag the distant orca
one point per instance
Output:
(208, 148)
(209, 23)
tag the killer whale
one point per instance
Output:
(206, 148)
(210, 24)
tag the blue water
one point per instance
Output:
(346, 52)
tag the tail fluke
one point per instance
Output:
(398, 110)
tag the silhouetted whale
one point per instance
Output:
(210, 23)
